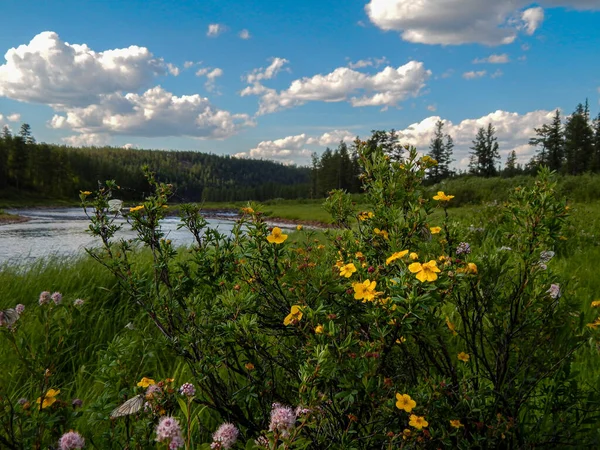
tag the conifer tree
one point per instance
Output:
(579, 145)
(550, 144)
(485, 152)
(441, 151)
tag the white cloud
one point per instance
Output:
(15, 117)
(87, 140)
(262, 73)
(513, 131)
(211, 75)
(51, 71)
(455, 22)
(130, 146)
(188, 64)
(292, 149)
(497, 74)
(173, 69)
(472, 74)
(525, 47)
(385, 88)
(244, 34)
(432, 108)
(369, 62)
(215, 29)
(493, 59)
(532, 18)
(154, 113)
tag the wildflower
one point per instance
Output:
(168, 429)
(276, 236)
(401, 340)
(406, 433)
(77, 403)
(417, 421)
(594, 324)
(177, 442)
(301, 411)
(365, 215)
(44, 298)
(464, 357)
(395, 256)
(249, 366)
(282, 419)
(49, 398)
(504, 248)
(299, 227)
(381, 233)
(320, 247)
(22, 401)
(443, 197)
(152, 390)
(359, 255)
(463, 248)
(595, 303)
(365, 290)
(78, 302)
(554, 291)
(546, 256)
(435, 230)
(472, 268)
(85, 193)
(56, 298)
(456, 423)
(426, 271)
(319, 329)
(339, 263)
(347, 270)
(294, 316)
(413, 256)
(187, 389)
(136, 208)
(248, 210)
(225, 436)
(145, 382)
(403, 401)
(20, 308)
(450, 326)
(71, 440)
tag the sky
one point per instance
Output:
(280, 79)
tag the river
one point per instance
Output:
(64, 232)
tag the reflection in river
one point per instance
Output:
(64, 232)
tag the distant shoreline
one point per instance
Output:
(6, 219)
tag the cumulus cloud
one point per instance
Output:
(188, 64)
(513, 131)
(215, 29)
(15, 117)
(493, 59)
(386, 88)
(173, 69)
(244, 34)
(51, 71)
(455, 22)
(267, 73)
(87, 140)
(497, 74)
(472, 74)
(369, 62)
(154, 113)
(431, 108)
(292, 149)
(211, 75)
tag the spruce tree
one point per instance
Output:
(579, 145)
(510, 169)
(550, 144)
(485, 152)
(442, 152)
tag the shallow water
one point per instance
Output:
(64, 232)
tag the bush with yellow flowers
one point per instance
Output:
(398, 331)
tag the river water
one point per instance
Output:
(64, 232)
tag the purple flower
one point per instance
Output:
(77, 403)
(225, 436)
(554, 291)
(20, 308)
(153, 389)
(262, 441)
(177, 442)
(167, 428)
(282, 419)
(78, 302)
(71, 440)
(463, 248)
(187, 389)
(22, 401)
(56, 298)
(300, 411)
(44, 298)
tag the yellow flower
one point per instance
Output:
(450, 326)
(319, 329)
(464, 357)
(85, 192)
(136, 208)
(406, 434)
(359, 255)
(594, 324)
(395, 256)
(443, 197)
(402, 340)
(294, 316)
(320, 246)
(403, 401)
(48, 398)
(595, 303)
(413, 256)
(347, 270)
(248, 210)
(417, 421)
(145, 382)
(426, 271)
(456, 423)
(276, 236)
(339, 263)
(472, 268)
(366, 215)
(365, 291)
(249, 366)
(299, 227)
(435, 230)
(381, 233)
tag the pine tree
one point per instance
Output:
(25, 133)
(442, 152)
(579, 146)
(550, 142)
(510, 169)
(485, 152)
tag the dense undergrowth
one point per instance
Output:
(412, 325)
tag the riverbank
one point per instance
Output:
(6, 218)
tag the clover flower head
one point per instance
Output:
(177, 442)
(71, 440)
(78, 302)
(22, 401)
(167, 428)
(187, 389)
(225, 436)
(77, 403)
(282, 419)
(554, 291)
(463, 248)
(20, 308)
(153, 389)
(56, 298)
(44, 298)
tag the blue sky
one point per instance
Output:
(279, 80)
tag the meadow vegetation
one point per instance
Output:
(413, 323)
